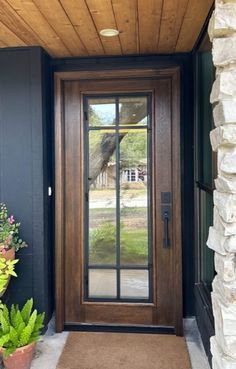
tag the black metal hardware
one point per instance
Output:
(165, 197)
(87, 327)
(118, 267)
(166, 216)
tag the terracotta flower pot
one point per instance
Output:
(21, 358)
(8, 255)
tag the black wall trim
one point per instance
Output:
(203, 308)
(119, 328)
(204, 316)
(118, 62)
(204, 30)
(204, 187)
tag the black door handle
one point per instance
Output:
(166, 215)
(166, 240)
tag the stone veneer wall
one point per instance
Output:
(222, 236)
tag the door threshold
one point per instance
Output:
(119, 328)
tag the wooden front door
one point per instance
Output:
(118, 202)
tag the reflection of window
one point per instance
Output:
(131, 175)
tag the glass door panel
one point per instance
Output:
(133, 110)
(102, 199)
(134, 284)
(118, 187)
(134, 197)
(102, 283)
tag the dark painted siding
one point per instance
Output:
(25, 168)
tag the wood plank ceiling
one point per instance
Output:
(68, 28)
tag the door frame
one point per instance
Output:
(172, 73)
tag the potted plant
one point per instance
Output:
(7, 269)
(19, 331)
(9, 234)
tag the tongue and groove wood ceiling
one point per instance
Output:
(66, 28)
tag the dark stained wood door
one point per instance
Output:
(118, 202)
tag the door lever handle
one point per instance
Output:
(166, 215)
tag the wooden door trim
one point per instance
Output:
(177, 225)
(60, 77)
(116, 74)
(59, 209)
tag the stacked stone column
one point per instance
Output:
(222, 235)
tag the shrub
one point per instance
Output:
(19, 328)
(103, 243)
(133, 243)
(9, 231)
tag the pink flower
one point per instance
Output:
(11, 220)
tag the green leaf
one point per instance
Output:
(26, 311)
(12, 312)
(17, 320)
(13, 336)
(5, 313)
(34, 338)
(20, 328)
(2, 263)
(27, 331)
(25, 336)
(4, 324)
(3, 285)
(12, 262)
(13, 273)
(39, 323)
(4, 339)
(7, 352)
(32, 319)
(3, 277)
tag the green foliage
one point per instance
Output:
(7, 269)
(103, 243)
(9, 231)
(26, 310)
(18, 327)
(133, 148)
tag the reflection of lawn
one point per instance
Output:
(132, 217)
(123, 211)
(110, 193)
(134, 245)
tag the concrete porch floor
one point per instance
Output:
(51, 345)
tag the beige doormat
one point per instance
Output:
(124, 351)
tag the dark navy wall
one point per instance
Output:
(25, 124)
